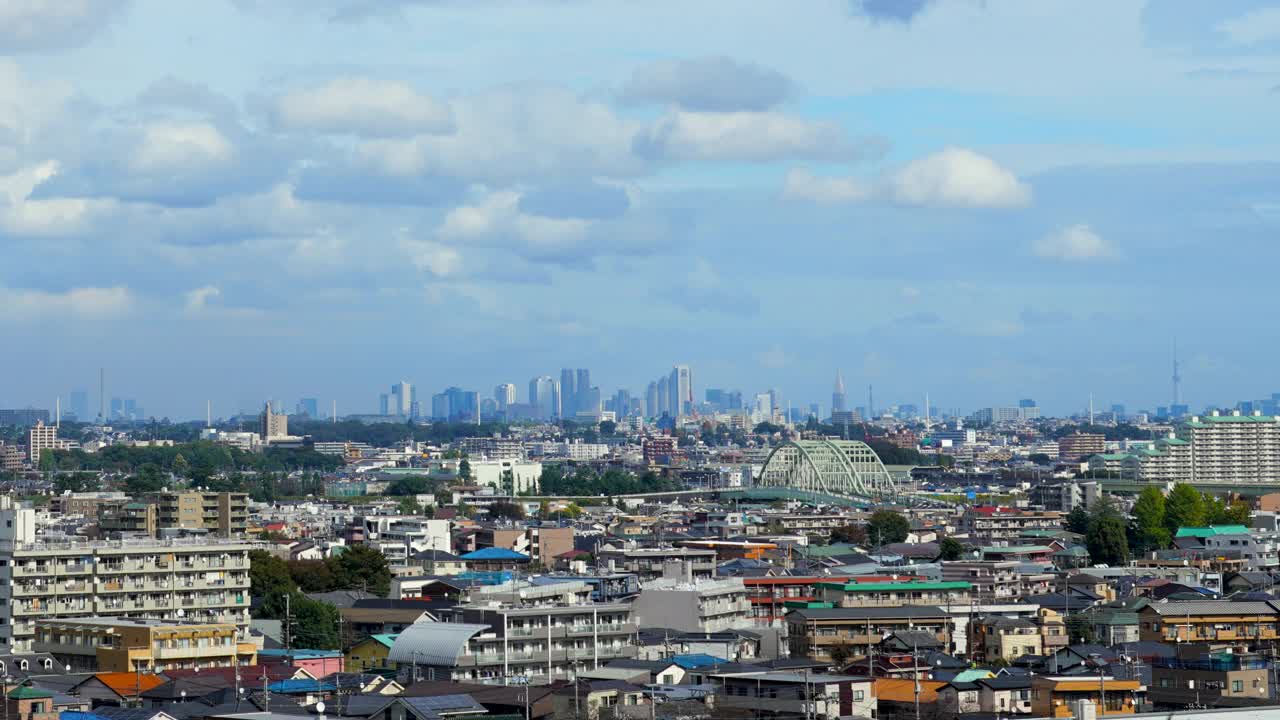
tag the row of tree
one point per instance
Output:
(1110, 538)
(197, 460)
(282, 585)
(587, 481)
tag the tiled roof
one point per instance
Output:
(128, 684)
(1213, 607)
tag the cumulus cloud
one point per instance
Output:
(199, 298)
(802, 184)
(1256, 26)
(705, 290)
(1077, 243)
(431, 257)
(181, 147)
(744, 136)
(515, 134)
(958, 177)
(21, 215)
(364, 106)
(84, 302)
(33, 25)
(716, 84)
(954, 177)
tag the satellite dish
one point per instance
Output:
(320, 707)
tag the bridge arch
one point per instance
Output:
(833, 467)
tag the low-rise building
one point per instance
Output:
(1209, 621)
(648, 563)
(893, 594)
(792, 694)
(1055, 696)
(826, 634)
(989, 580)
(136, 645)
(1198, 677)
(701, 606)
(998, 638)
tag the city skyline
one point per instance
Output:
(913, 192)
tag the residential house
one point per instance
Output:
(1210, 621)
(788, 694)
(898, 699)
(1203, 678)
(893, 594)
(999, 638)
(1054, 696)
(370, 653)
(826, 633)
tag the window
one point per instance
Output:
(1237, 686)
(1164, 682)
(859, 695)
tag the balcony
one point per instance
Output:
(197, 652)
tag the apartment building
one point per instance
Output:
(701, 606)
(992, 525)
(542, 544)
(821, 696)
(198, 579)
(1056, 697)
(1198, 677)
(128, 517)
(893, 594)
(1168, 460)
(43, 437)
(225, 514)
(1234, 447)
(12, 458)
(1076, 446)
(989, 580)
(1209, 621)
(535, 634)
(655, 562)
(816, 632)
(997, 637)
(769, 595)
(140, 645)
(1259, 549)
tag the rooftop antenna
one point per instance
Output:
(208, 413)
(1090, 408)
(1177, 377)
(334, 414)
(57, 412)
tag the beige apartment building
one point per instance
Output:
(225, 514)
(198, 580)
(153, 646)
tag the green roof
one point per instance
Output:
(808, 605)
(1206, 420)
(1174, 441)
(892, 586)
(1112, 456)
(1212, 530)
(28, 693)
(972, 674)
(387, 639)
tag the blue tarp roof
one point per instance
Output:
(697, 660)
(494, 553)
(301, 686)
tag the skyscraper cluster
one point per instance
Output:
(672, 394)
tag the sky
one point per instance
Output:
(984, 200)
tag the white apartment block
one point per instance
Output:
(193, 579)
(44, 437)
(701, 606)
(1233, 448)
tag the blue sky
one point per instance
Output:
(979, 199)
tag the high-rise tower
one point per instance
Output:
(839, 399)
(1177, 377)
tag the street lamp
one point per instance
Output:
(6, 680)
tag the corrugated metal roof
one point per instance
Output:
(1213, 607)
(433, 643)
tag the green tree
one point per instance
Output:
(1078, 520)
(409, 485)
(950, 549)
(608, 427)
(268, 574)
(315, 624)
(181, 467)
(887, 526)
(409, 506)
(148, 479)
(1079, 629)
(852, 534)
(510, 511)
(360, 567)
(1106, 539)
(312, 576)
(464, 470)
(1238, 513)
(1149, 529)
(1183, 508)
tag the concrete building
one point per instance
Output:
(1006, 639)
(991, 525)
(1209, 621)
(894, 594)
(201, 580)
(1234, 447)
(137, 645)
(542, 544)
(534, 633)
(656, 562)
(1056, 697)
(815, 632)
(820, 696)
(273, 424)
(1076, 446)
(41, 437)
(507, 475)
(701, 606)
(1198, 677)
(990, 580)
(225, 514)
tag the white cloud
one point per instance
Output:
(432, 257)
(705, 290)
(86, 302)
(802, 184)
(364, 106)
(958, 177)
(1253, 27)
(512, 134)
(498, 218)
(21, 215)
(181, 147)
(741, 136)
(47, 24)
(710, 83)
(1077, 243)
(199, 298)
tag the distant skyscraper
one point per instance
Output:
(80, 404)
(664, 396)
(582, 394)
(309, 407)
(274, 425)
(839, 398)
(568, 390)
(680, 386)
(733, 400)
(504, 395)
(1026, 403)
(544, 395)
(402, 398)
(651, 401)
(384, 404)
(622, 403)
